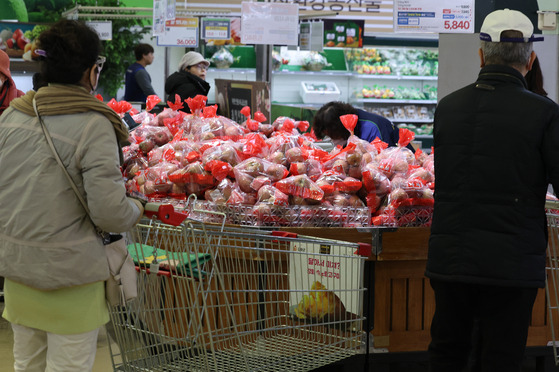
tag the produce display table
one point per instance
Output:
(402, 300)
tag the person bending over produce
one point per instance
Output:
(369, 126)
(52, 258)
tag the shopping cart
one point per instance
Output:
(222, 298)
(552, 283)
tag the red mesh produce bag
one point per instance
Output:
(245, 111)
(209, 111)
(259, 117)
(196, 104)
(349, 121)
(151, 101)
(301, 186)
(177, 105)
(406, 136)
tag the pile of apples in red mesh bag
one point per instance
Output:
(272, 166)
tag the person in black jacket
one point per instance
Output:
(496, 148)
(190, 80)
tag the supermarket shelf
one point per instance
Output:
(19, 65)
(394, 77)
(355, 75)
(425, 121)
(423, 136)
(300, 105)
(389, 100)
(233, 70)
(319, 73)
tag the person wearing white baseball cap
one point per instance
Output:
(190, 79)
(496, 147)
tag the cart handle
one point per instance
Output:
(284, 234)
(165, 213)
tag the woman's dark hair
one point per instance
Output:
(71, 48)
(534, 79)
(141, 49)
(38, 81)
(327, 120)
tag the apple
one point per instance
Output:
(146, 146)
(22, 42)
(17, 34)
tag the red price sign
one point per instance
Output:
(456, 25)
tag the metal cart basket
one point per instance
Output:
(217, 298)
(552, 283)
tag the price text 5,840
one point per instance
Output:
(456, 25)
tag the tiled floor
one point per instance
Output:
(102, 358)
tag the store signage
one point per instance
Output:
(311, 35)
(216, 28)
(104, 29)
(269, 23)
(328, 269)
(159, 17)
(343, 33)
(233, 95)
(425, 16)
(181, 32)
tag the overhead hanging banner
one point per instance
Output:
(182, 32)
(159, 17)
(269, 23)
(434, 16)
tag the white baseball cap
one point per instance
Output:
(505, 19)
(191, 59)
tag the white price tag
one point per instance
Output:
(426, 16)
(181, 32)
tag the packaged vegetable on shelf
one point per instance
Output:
(223, 58)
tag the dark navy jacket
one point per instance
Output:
(136, 77)
(370, 126)
(496, 149)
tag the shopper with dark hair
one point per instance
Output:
(534, 79)
(190, 79)
(137, 86)
(496, 147)
(327, 122)
(8, 90)
(52, 258)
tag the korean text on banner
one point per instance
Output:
(269, 23)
